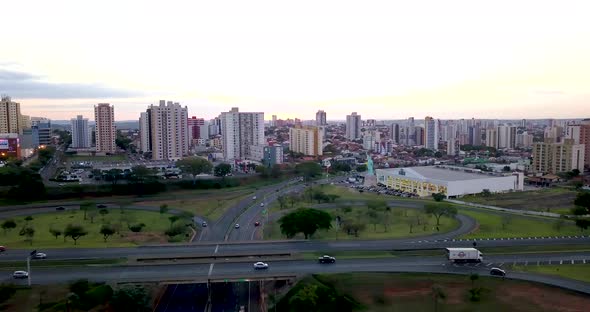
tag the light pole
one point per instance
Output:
(29, 266)
(249, 296)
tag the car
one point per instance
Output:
(256, 223)
(326, 259)
(237, 226)
(101, 206)
(497, 272)
(260, 266)
(253, 197)
(60, 208)
(204, 224)
(2, 248)
(20, 274)
(39, 255)
(261, 204)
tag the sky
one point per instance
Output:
(383, 59)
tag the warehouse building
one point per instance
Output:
(451, 181)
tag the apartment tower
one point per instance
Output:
(104, 115)
(81, 134)
(239, 131)
(353, 126)
(10, 116)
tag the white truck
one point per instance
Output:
(464, 255)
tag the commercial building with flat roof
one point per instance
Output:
(451, 181)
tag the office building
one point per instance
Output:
(492, 137)
(320, 118)
(307, 140)
(554, 157)
(10, 116)
(239, 131)
(167, 130)
(353, 126)
(80, 132)
(105, 131)
(40, 131)
(430, 133)
(506, 137)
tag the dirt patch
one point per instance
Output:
(145, 237)
(545, 297)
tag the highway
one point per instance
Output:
(202, 272)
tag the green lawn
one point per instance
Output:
(557, 200)
(384, 292)
(395, 224)
(111, 158)
(509, 225)
(153, 232)
(211, 205)
(579, 272)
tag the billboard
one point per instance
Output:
(3, 144)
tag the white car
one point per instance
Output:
(260, 266)
(261, 204)
(254, 198)
(20, 274)
(237, 226)
(39, 255)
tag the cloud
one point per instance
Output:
(30, 86)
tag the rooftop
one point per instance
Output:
(443, 173)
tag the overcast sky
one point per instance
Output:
(382, 59)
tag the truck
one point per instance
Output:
(464, 255)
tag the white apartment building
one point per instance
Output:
(81, 133)
(431, 133)
(239, 131)
(166, 126)
(506, 137)
(10, 116)
(492, 137)
(353, 126)
(320, 118)
(307, 140)
(105, 133)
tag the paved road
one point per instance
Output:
(202, 272)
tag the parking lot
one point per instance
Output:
(378, 189)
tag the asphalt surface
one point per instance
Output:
(202, 272)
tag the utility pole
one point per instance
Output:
(249, 296)
(29, 266)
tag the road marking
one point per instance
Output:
(489, 264)
(572, 261)
(537, 262)
(419, 241)
(560, 261)
(584, 261)
(526, 263)
(549, 262)
(478, 264)
(216, 248)
(211, 268)
(501, 264)
(576, 236)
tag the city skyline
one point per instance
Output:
(458, 59)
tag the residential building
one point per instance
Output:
(320, 118)
(145, 144)
(431, 133)
(168, 135)
(452, 147)
(369, 142)
(524, 140)
(581, 135)
(25, 122)
(492, 137)
(80, 132)
(10, 116)
(419, 136)
(553, 157)
(506, 137)
(215, 126)
(394, 133)
(353, 126)
(554, 132)
(307, 140)
(194, 129)
(239, 131)
(474, 135)
(105, 131)
(273, 155)
(273, 123)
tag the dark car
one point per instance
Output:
(256, 223)
(326, 259)
(60, 208)
(2, 248)
(497, 272)
(101, 206)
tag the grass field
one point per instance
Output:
(557, 200)
(380, 292)
(153, 232)
(579, 272)
(209, 204)
(508, 225)
(109, 158)
(394, 224)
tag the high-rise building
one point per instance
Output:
(492, 137)
(168, 135)
(580, 133)
(273, 123)
(80, 132)
(194, 129)
(394, 133)
(431, 133)
(554, 132)
(307, 140)
(506, 137)
(25, 122)
(524, 140)
(10, 116)
(145, 144)
(474, 135)
(40, 131)
(214, 126)
(353, 126)
(419, 136)
(452, 147)
(552, 157)
(105, 132)
(239, 131)
(320, 118)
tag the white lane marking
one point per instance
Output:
(537, 262)
(211, 268)
(489, 264)
(584, 261)
(572, 261)
(526, 263)
(478, 264)
(216, 248)
(501, 264)
(560, 261)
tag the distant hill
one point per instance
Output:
(124, 124)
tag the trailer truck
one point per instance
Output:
(464, 255)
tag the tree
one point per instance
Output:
(438, 154)
(486, 193)
(127, 299)
(306, 221)
(582, 209)
(173, 219)
(506, 169)
(308, 169)
(293, 198)
(55, 232)
(361, 168)
(438, 196)
(8, 225)
(506, 220)
(28, 218)
(75, 232)
(583, 224)
(114, 175)
(122, 141)
(140, 173)
(440, 209)
(29, 232)
(87, 206)
(473, 277)
(275, 171)
(222, 170)
(92, 214)
(558, 224)
(583, 200)
(282, 199)
(163, 209)
(194, 166)
(374, 218)
(437, 294)
(106, 230)
(103, 212)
